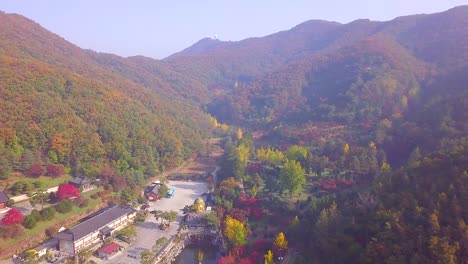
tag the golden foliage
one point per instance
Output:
(280, 241)
(235, 231)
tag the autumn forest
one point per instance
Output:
(353, 137)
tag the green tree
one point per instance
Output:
(212, 219)
(169, 216)
(38, 198)
(48, 213)
(292, 176)
(296, 152)
(127, 232)
(160, 242)
(84, 255)
(242, 159)
(29, 222)
(147, 257)
(5, 167)
(127, 195)
(271, 156)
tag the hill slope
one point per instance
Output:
(357, 74)
(64, 105)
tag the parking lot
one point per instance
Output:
(148, 232)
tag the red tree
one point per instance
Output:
(13, 217)
(255, 257)
(35, 170)
(55, 170)
(67, 191)
(261, 245)
(227, 260)
(238, 214)
(246, 261)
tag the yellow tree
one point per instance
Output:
(269, 257)
(385, 167)
(239, 134)
(280, 242)
(235, 231)
(295, 221)
(346, 149)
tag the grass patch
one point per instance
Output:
(29, 234)
(46, 182)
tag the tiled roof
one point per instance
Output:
(96, 223)
(112, 247)
(80, 181)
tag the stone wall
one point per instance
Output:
(169, 253)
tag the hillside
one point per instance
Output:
(356, 75)
(67, 106)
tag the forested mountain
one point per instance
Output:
(66, 106)
(380, 107)
(381, 78)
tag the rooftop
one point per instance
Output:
(95, 223)
(80, 181)
(112, 247)
(3, 197)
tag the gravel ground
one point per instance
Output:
(148, 232)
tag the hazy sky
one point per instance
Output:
(157, 28)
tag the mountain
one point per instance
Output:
(64, 105)
(358, 74)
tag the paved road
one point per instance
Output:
(148, 232)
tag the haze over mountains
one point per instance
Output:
(318, 71)
(381, 106)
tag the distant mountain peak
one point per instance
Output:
(201, 46)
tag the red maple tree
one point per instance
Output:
(246, 261)
(227, 260)
(12, 217)
(35, 170)
(67, 191)
(55, 170)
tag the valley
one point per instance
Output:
(325, 143)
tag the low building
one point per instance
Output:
(107, 251)
(82, 183)
(96, 229)
(48, 245)
(153, 192)
(3, 200)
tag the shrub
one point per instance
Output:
(21, 187)
(12, 217)
(163, 190)
(64, 206)
(11, 231)
(29, 222)
(52, 197)
(81, 202)
(51, 231)
(36, 214)
(48, 213)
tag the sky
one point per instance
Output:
(157, 28)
